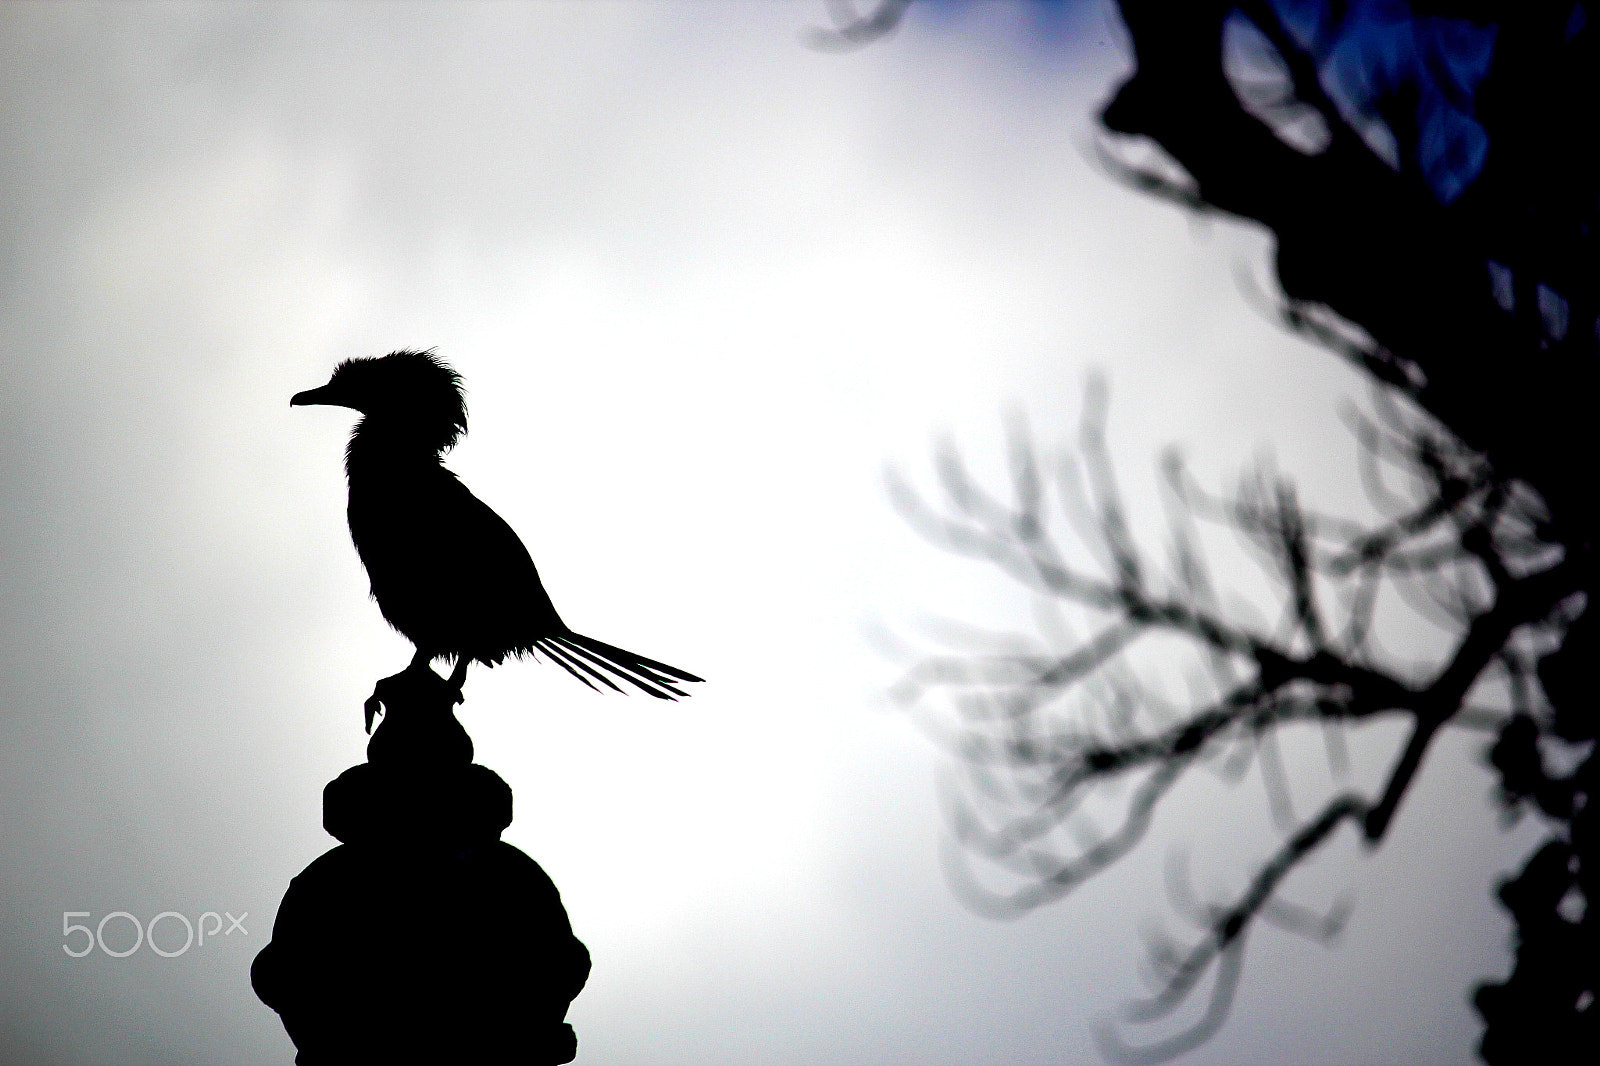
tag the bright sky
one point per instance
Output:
(703, 284)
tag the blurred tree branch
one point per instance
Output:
(1042, 730)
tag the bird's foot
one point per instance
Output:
(419, 723)
(458, 677)
(371, 709)
(383, 690)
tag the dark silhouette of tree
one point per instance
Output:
(1428, 174)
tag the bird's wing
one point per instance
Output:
(529, 620)
(454, 577)
(511, 609)
(446, 570)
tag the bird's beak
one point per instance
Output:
(324, 395)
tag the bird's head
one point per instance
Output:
(412, 392)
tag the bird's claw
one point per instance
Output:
(372, 708)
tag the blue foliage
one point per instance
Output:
(1387, 67)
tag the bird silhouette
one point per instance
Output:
(448, 572)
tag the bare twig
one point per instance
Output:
(1045, 729)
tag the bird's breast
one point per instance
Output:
(397, 520)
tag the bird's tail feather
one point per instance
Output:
(580, 656)
(572, 665)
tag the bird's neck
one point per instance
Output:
(379, 447)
